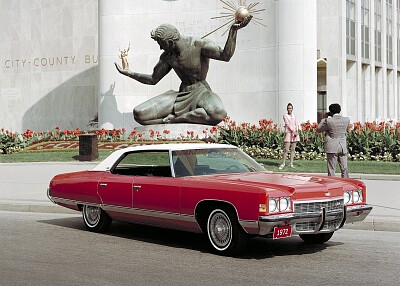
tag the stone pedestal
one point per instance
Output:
(88, 147)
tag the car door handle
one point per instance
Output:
(135, 187)
(103, 185)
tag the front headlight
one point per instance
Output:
(284, 204)
(348, 197)
(352, 197)
(357, 196)
(273, 205)
(281, 204)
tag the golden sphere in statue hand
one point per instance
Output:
(241, 13)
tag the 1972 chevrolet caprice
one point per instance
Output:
(211, 188)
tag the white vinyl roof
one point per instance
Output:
(112, 158)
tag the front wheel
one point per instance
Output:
(95, 219)
(316, 238)
(224, 232)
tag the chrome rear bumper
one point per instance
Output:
(315, 222)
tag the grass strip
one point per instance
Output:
(301, 166)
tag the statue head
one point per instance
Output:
(165, 32)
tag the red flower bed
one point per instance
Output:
(366, 141)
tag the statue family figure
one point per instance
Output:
(189, 57)
(124, 57)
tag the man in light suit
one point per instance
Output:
(335, 127)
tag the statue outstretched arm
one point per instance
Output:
(213, 51)
(160, 70)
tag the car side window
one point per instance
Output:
(205, 162)
(144, 163)
(221, 162)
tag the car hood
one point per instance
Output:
(302, 185)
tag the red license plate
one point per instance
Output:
(282, 231)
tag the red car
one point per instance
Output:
(210, 188)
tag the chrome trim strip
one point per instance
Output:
(71, 202)
(321, 221)
(359, 208)
(357, 213)
(127, 210)
(344, 218)
(316, 201)
(249, 224)
(171, 163)
(50, 197)
(297, 216)
(142, 212)
(115, 208)
(188, 218)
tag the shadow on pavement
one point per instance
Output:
(257, 248)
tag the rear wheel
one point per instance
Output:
(316, 238)
(224, 232)
(95, 218)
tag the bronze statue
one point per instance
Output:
(189, 57)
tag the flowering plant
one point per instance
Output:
(11, 142)
(378, 141)
(265, 134)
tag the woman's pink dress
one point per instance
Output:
(290, 127)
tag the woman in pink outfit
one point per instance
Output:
(291, 135)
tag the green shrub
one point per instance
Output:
(11, 142)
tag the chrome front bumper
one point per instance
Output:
(49, 196)
(319, 222)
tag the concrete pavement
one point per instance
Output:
(23, 188)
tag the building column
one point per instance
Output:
(297, 45)
(111, 31)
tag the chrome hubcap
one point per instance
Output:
(220, 230)
(92, 215)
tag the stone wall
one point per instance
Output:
(57, 60)
(49, 63)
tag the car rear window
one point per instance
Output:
(146, 163)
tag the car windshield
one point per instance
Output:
(213, 161)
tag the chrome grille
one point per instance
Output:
(310, 226)
(315, 207)
(312, 207)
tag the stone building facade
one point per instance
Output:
(57, 59)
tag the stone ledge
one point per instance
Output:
(177, 130)
(74, 145)
(375, 225)
(36, 208)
